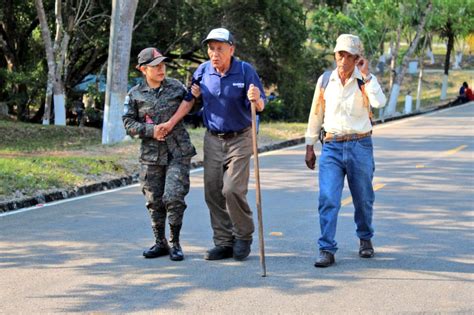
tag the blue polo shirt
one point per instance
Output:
(226, 107)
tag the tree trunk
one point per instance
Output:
(55, 55)
(123, 14)
(420, 77)
(392, 105)
(393, 61)
(45, 33)
(450, 35)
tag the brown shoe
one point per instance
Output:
(366, 250)
(325, 259)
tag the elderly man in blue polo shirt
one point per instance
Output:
(227, 87)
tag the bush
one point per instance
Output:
(274, 111)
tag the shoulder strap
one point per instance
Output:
(243, 72)
(324, 83)
(326, 76)
(365, 98)
(243, 68)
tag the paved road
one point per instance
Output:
(84, 255)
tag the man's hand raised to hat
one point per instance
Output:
(363, 65)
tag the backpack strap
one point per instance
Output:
(324, 83)
(365, 98)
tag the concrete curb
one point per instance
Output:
(128, 180)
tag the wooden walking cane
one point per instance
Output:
(256, 169)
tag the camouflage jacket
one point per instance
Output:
(146, 107)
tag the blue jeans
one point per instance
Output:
(356, 160)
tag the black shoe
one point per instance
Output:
(218, 253)
(157, 250)
(176, 253)
(325, 259)
(241, 249)
(366, 250)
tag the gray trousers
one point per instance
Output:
(226, 178)
(164, 188)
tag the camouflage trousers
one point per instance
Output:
(165, 187)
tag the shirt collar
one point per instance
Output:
(145, 88)
(355, 75)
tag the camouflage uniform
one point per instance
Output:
(165, 165)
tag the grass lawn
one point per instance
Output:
(431, 87)
(36, 158)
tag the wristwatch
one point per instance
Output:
(367, 78)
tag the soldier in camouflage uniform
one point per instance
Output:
(165, 162)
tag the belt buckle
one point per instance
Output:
(224, 135)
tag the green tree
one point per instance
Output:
(270, 35)
(20, 70)
(22, 53)
(451, 19)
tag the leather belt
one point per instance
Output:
(228, 135)
(342, 138)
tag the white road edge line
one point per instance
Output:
(54, 203)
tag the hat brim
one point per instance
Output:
(222, 40)
(156, 61)
(348, 49)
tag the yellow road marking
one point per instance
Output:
(276, 233)
(444, 154)
(379, 186)
(348, 200)
(455, 150)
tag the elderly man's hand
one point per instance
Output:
(196, 90)
(310, 157)
(253, 93)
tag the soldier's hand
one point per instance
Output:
(253, 93)
(196, 90)
(159, 132)
(310, 157)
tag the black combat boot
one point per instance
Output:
(176, 253)
(161, 248)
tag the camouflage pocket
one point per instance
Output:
(149, 151)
